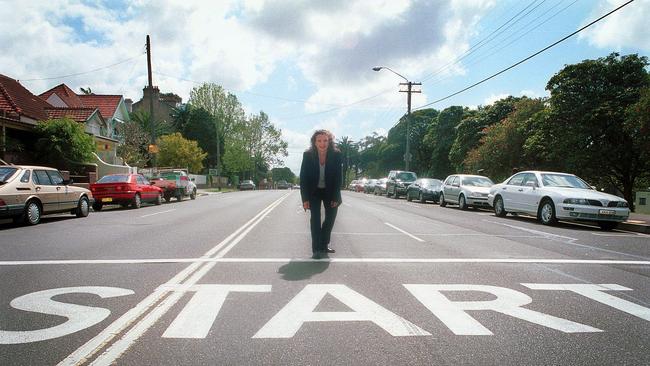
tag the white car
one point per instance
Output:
(465, 190)
(552, 196)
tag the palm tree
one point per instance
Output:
(349, 149)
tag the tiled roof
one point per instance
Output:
(107, 104)
(77, 114)
(69, 97)
(15, 98)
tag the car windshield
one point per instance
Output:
(117, 178)
(477, 182)
(406, 176)
(431, 182)
(563, 180)
(6, 172)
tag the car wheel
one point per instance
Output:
(97, 206)
(193, 194)
(396, 195)
(547, 212)
(137, 201)
(607, 225)
(462, 204)
(179, 197)
(33, 213)
(499, 210)
(408, 197)
(421, 198)
(83, 208)
(168, 198)
(159, 199)
(442, 200)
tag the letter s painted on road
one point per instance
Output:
(79, 316)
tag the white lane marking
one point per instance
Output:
(542, 233)
(158, 213)
(404, 232)
(100, 341)
(337, 260)
(636, 235)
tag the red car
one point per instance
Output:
(124, 190)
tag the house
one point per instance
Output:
(642, 202)
(163, 104)
(20, 111)
(112, 108)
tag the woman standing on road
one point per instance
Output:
(320, 182)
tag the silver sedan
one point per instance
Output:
(552, 196)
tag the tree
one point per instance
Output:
(200, 127)
(591, 108)
(134, 148)
(284, 173)
(502, 146)
(350, 154)
(439, 137)
(421, 122)
(176, 151)
(63, 141)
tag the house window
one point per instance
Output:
(642, 201)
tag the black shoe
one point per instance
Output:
(330, 250)
(316, 255)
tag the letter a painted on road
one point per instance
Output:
(300, 309)
(508, 301)
(79, 316)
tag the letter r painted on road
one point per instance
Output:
(197, 317)
(509, 302)
(595, 292)
(301, 308)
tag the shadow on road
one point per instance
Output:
(296, 271)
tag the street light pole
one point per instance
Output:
(409, 84)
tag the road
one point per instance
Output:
(228, 279)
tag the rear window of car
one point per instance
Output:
(477, 182)
(406, 176)
(6, 173)
(430, 182)
(117, 178)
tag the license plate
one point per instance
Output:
(607, 212)
(107, 199)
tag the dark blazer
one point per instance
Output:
(310, 170)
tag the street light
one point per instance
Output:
(409, 84)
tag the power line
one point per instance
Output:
(86, 72)
(527, 58)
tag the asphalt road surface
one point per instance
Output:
(227, 279)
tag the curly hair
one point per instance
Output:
(331, 146)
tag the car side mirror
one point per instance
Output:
(152, 183)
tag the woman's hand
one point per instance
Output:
(305, 205)
(334, 204)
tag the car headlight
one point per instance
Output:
(622, 204)
(474, 194)
(576, 201)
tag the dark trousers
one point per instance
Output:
(320, 233)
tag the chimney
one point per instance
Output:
(129, 104)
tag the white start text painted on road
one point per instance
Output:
(199, 314)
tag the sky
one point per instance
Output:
(308, 64)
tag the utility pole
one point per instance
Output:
(152, 149)
(409, 90)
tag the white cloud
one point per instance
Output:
(627, 27)
(494, 97)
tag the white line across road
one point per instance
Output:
(404, 232)
(158, 213)
(148, 311)
(332, 260)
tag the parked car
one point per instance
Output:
(125, 190)
(398, 181)
(283, 184)
(175, 183)
(380, 187)
(465, 191)
(29, 192)
(353, 185)
(424, 189)
(369, 187)
(247, 185)
(552, 196)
